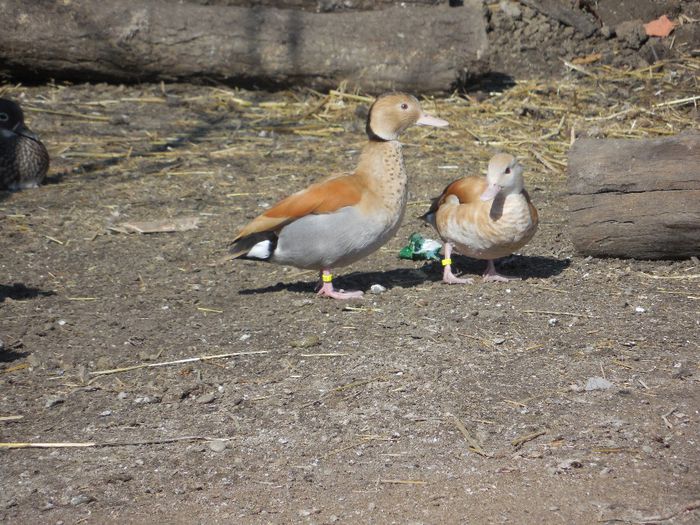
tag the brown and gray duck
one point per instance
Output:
(24, 160)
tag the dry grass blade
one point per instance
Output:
(548, 312)
(98, 118)
(529, 437)
(11, 418)
(672, 277)
(677, 102)
(177, 362)
(474, 445)
(95, 444)
(403, 481)
(323, 355)
(355, 384)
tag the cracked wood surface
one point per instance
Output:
(418, 49)
(635, 198)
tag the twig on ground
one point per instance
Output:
(177, 362)
(11, 418)
(95, 444)
(529, 437)
(403, 481)
(474, 445)
(547, 312)
(666, 416)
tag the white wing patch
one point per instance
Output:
(262, 250)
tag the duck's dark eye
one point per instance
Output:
(507, 171)
(4, 117)
(404, 106)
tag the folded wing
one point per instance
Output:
(323, 197)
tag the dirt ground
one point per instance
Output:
(570, 396)
(527, 43)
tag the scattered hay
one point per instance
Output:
(200, 135)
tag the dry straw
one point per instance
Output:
(534, 119)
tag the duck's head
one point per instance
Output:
(12, 120)
(504, 176)
(10, 114)
(393, 113)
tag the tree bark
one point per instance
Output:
(318, 6)
(419, 49)
(635, 198)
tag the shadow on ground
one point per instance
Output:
(20, 292)
(402, 277)
(523, 266)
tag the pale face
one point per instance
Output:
(392, 114)
(504, 175)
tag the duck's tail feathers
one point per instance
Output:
(429, 217)
(258, 246)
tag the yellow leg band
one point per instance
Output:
(445, 262)
(327, 277)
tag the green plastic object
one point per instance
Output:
(421, 249)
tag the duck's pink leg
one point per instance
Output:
(327, 290)
(447, 275)
(491, 275)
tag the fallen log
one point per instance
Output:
(318, 5)
(635, 198)
(417, 49)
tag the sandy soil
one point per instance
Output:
(570, 396)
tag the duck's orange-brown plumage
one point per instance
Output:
(323, 197)
(485, 218)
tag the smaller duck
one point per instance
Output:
(484, 218)
(24, 160)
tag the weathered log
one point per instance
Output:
(635, 198)
(418, 49)
(318, 6)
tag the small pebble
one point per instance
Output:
(510, 9)
(553, 321)
(301, 302)
(306, 342)
(61, 322)
(597, 383)
(81, 499)
(206, 398)
(607, 32)
(52, 401)
(244, 337)
(122, 396)
(146, 400)
(499, 340)
(639, 310)
(377, 289)
(568, 464)
(217, 445)
(105, 413)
